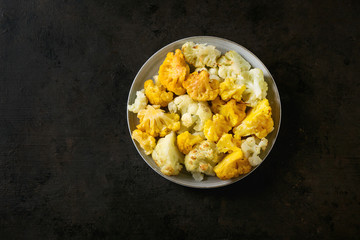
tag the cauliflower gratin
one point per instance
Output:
(204, 112)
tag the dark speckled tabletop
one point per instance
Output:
(68, 168)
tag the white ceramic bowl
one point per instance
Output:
(151, 67)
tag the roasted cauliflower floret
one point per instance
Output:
(214, 74)
(200, 55)
(187, 119)
(157, 94)
(258, 121)
(146, 141)
(156, 122)
(202, 159)
(230, 89)
(214, 128)
(200, 87)
(256, 87)
(233, 165)
(140, 102)
(233, 112)
(173, 72)
(186, 141)
(193, 114)
(232, 64)
(216, 105)
(181, 104)
(167, 156)
(251, 148)
(203, 114)
(227, 144)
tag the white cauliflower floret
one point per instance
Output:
(232, 64)
(199, 69)
(202, 159)
(213, 73)
(256, 87)
(140, 102)
(180, 104)
(167, 155)
(200, 55)
(197, 176)
(251, 148)
(203, 113)
(192, 113)
(187, 119)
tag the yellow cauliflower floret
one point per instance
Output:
(216, 105)
(233, 165)
(173, 72)
(227, 144)
(258, 121)
(156, 122)
(237, 142)
(215, 128)
(167, 156)
(200, 87)
(157, 94)
(186, 141)
(233, 112)
(146, 141)
(230, 89)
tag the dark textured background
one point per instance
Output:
(68, 169)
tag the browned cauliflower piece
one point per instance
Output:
(200, 87)
(173, 72)
(200, 55)
(202, 159)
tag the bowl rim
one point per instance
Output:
(173, 178)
